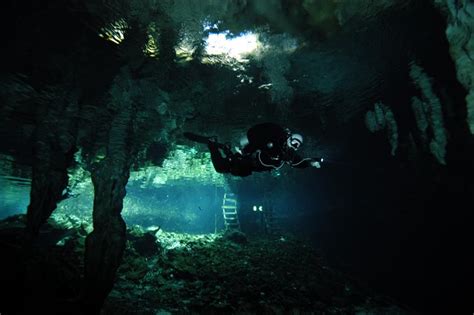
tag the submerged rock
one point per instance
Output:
(144, 242)
(235, 236)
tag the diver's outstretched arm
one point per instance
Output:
(300, 162)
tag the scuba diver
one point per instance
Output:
(266, 147)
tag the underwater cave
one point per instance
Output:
(237, 157)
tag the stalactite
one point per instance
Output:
(460, 35)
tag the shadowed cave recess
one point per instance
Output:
(107, 208)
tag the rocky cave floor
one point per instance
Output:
(170, 273)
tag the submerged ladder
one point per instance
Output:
(229, 211)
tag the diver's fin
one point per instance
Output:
(197, 138)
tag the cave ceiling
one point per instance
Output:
(314, 66)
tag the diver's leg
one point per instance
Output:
(221, 164)
(196, 138)
(241, 166)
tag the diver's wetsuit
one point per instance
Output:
(234, 163)
(268, 137)
(266, 151)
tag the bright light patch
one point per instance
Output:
(237, 48)
(186, 46)
(184, 51)
(151, 47)
(114, 32)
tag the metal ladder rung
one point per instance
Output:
(229, 207)
(229, 211)
(230, 214)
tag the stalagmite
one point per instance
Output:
(53, 153)
(106, 244)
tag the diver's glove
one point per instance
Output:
(316, 162)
